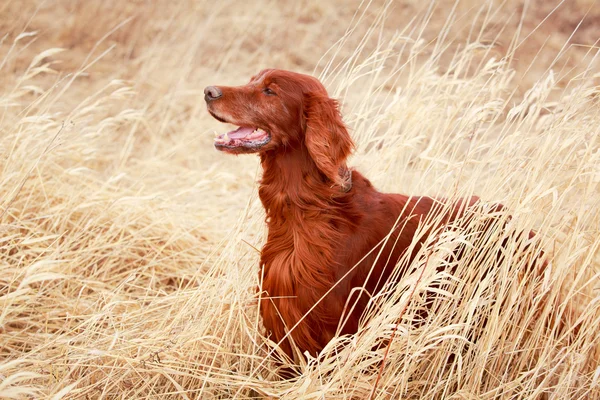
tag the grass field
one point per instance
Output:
(129, 247)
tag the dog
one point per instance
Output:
(329, 230)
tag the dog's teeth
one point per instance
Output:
(216, 134)
(226, 138)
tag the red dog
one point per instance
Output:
(327, 224)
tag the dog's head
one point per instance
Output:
(279, 110)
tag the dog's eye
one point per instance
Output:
(268, 92)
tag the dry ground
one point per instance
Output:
(129, 247)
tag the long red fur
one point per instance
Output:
(320, 225)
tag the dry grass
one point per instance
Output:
(128, 247)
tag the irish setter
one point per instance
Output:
(327, 224)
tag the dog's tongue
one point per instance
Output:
(240, 133)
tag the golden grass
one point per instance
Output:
(129, 247)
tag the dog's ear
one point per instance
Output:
(326, 136)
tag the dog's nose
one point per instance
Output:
(212, 93)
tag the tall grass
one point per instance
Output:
(129, 248)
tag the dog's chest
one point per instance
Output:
(295, 258)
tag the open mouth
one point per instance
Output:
(243, 138)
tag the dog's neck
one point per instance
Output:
(292, 179)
